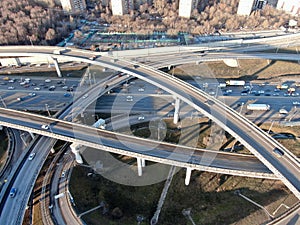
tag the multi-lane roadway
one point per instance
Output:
(286, 167)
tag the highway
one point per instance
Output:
(286, 167)
(134, 146)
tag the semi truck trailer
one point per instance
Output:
(256, 106)
(236, 82)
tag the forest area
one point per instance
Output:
(211, 16)
(30, 22)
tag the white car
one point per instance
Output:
(45, 127)
(11, 88)
(141, 89)
(47, 81)
(31, 156)
(63, 174)
(32, 94)
(85, 96)
(141, 118)
(296, 103)
(37, 88)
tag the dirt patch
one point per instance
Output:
(248, 70)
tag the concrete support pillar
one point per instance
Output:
(57, 67)
(143, 162)
(176, 113)
(139, 165)
(75, 148)
(31, 135)
(188, 175)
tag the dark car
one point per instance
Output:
(279, 153)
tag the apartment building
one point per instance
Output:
(186, 7)
(73, 6)
(289, 6)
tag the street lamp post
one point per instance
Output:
(241, 107)
(47, 109)
(271, 126)
(3, 102)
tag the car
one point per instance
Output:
(275, 94)
(12, 80)
(47, 81)
(33, 84)
(93, 57)
(283, 111)
(67, 94)
(141, 118)
(11, 88)
(279, 153)
(65, 87)
(85, 96)
(32, 94)
(63, 174)
(36, 88)
(141, 89)
(13, 192)
(31, 156)
(45, 127)
(41, 84)
(59, 82)
(129, 99)
(296, 103)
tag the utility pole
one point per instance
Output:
(47, 109)
(3, 102)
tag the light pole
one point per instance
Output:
(241, 107)
(3, 102)
(187, 213)
(47, 109)
(271, 126)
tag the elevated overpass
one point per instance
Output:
(166, 153)
(260, 144)
(196, 98)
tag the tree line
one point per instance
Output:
(209, 17)
(28, 22)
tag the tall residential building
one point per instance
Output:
(290, 6)
(121, 7)
(247, 6)
(73, 6)
(186, 7)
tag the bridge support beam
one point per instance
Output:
(57, 67)
(139, 165)
(31, 135)
(75, 148)
(143, 162)
(176, 113)
(188, 175)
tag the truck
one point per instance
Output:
(236, 82)
(100, 124)
(255, 106)
(282, 86)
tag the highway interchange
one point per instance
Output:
(163, 84)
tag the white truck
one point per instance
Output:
(256, 106)
(236, 82)
(100, 124)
